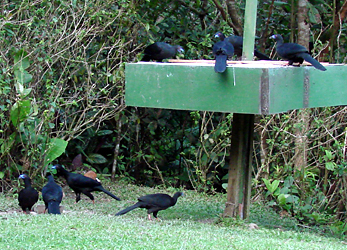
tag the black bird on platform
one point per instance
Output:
(52, 195)
(160, 50)
(295, 53)
(82, 184)
(28, 196)
(237, 42)
(153, 203)
(221, 51)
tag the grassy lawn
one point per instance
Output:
(194, 223)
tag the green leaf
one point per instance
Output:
(282, 199)
(2, 174)
(22, 77)
(274, 186)
(8, 143)
(104, 132)
(328, 155)
(56, 147)
(96, 159)
(20, 111)
(21, 61)
(271, 186)
(313, 14)
(330, 165)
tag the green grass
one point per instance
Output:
(194, 223)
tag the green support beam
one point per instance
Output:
(240, 167)
(243, 88)
(249, 30)
(239, 183)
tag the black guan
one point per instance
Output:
(28, 196)
(295, 53)
(153, 203)
(81, 184)
(52, 195)
(159, 51)
(221, 51)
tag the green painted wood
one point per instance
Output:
(249, 30)
(240, 167)
(167, 85)
(241, 89)
(328, 89)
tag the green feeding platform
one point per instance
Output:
(254, 87)
(245, 89)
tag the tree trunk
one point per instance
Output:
(303, 26)
(235, 17)
(302, 119)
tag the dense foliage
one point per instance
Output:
(61, 99)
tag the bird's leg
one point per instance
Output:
(149, 217)
(78, 197)
(155, 215)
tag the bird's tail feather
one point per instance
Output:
(313, 61)
(100, 188)
(221, 63)
(53, 207)
(261, 56)
(128, 209)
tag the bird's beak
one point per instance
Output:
(216, 35)
(54, 167)
(21, 176)
(181, 51)
(272, 37)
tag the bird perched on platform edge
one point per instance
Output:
(295, 53)
(28, 196)
(52, 195)
(160, 50)
(153, 203)
(81, 184)
(221, 51)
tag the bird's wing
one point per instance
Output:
(81, 181)
(52, 191)
(289, 49)
(153, 49)
(157, 200)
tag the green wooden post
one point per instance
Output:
(239, 182)
(249, 30)
(240, 169)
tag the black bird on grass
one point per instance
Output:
(52, 195)
(28, 196)
(221, 51)
(82, 184)
(237, 42)
(295, 53)
(160, 50)
(153, 203)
